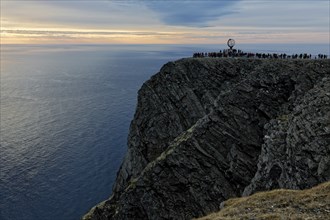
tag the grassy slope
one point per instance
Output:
(278, 204)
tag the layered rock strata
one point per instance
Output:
(209, 129)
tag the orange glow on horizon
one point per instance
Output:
(212, 35)
(73, 36)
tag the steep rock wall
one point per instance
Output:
(201, 125)
(170, 103)
(296, 149)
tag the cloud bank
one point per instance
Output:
(166, 21)
(191, 13)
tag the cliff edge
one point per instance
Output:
(209, 129)
(278, 204)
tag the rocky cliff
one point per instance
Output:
(208, 129)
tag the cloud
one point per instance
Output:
(191, 13)
(168, 21)
(288, 15)
(79, 14)
(74, 36)
(103, 33)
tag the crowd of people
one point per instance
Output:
(240, 53)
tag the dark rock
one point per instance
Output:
(201, 125)
(296, 150)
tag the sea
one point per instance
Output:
(65, 116)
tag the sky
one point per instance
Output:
(164, 21)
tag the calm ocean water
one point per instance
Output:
(65, 115)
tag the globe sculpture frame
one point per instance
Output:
(231, 43)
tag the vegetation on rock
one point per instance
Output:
(278, 204)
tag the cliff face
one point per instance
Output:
(296, 149)
(209, 129)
